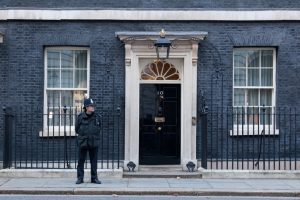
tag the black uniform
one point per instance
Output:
(88, 129)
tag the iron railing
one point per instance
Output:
(250, 138)
(232, 138)
(38, 138)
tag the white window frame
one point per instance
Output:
(255, 129)
(57, 131)
(176, 62)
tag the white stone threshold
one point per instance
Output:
(118, 173)
(249, 174)
(149, 15)
(57, 173)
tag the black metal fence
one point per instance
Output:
(37, 138)
(251, 138)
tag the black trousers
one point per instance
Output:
(93, 152)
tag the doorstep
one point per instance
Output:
(249, 174)
(161, 171)
(57, 173)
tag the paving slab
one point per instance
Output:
(198, 186)
(107, 183)
(292, 183)
(188, 183)
(3, 181)
(229, 185)
(184, 180)
(24, 183)
(62, 183)
(153, 186)
(150, 183)
(269, 184)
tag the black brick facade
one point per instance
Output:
(22, 56)
(4, 83)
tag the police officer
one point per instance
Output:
(88, 129)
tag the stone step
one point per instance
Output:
(161, 175)
(57, 173)
(164, 171)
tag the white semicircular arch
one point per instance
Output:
(159, 70)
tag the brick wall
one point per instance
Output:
(26, 40)
(3, 83)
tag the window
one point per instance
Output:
(66, 82)
(160, 70)
(253, 86)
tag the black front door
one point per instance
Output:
(159, 124)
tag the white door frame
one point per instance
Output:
(136, 47)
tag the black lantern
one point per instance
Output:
(162, 46)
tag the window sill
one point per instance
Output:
(253, 131)
(56, 133)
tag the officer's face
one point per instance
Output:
(90, 109)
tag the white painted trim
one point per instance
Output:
(160, 81)
(152, 15)
(250, 130)
(252, 173)
(55, 131)
(134, 52)
(58, 132)
(151, 59)
(256, 132)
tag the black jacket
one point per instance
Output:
(88, 129)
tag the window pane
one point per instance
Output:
(239, 77)
(66, 119)
(78, 99)
(53, 98)
(53, 59)
(253, 58)
(53, 79)
(162, 51)
(267, 58)
(253, 115)
(266, 97)
(67, 78)
(66, 98)
(67, 59)
(239, 97)
(252, 98)
(240, 58)
(267, 77)
(53, 118)
(253, 77)
(239, 116)
(81, 59)
(266, 117)
(80, 79)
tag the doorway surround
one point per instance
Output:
(139, 46)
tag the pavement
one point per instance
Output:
(153, 186)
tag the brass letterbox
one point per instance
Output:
(159, 119)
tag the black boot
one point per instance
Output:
(96, 181)
(79, 181)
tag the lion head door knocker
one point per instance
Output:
(159, 118)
